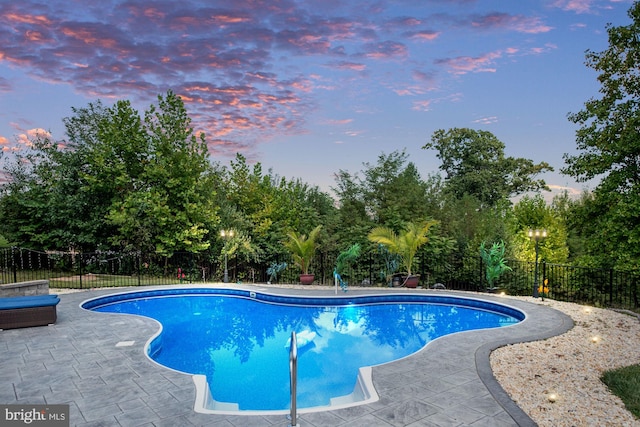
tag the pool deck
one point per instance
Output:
(96, 364)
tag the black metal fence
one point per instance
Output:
(599, 287)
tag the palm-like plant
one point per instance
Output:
(302, 247)
(493, 258)
(406, 243)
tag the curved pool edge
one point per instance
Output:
(541, 322)
(276, 298)
(364, 385)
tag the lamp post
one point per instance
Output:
(226, 234)
(537, 235)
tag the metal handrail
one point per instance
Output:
(293, 376)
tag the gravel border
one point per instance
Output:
(569, 366)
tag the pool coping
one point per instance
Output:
(204, 402)
(449, 382)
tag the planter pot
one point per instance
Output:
(411, 281)
(306, 279)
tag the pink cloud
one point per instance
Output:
(339, 122)
(385, 50)
(577, 6)
(519, 23)
(425, 35)
(486, 120)
(25, 18)
(347, 65)
(468, 64)
(5, 85)
(422, 105)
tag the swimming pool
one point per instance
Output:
(235, 341)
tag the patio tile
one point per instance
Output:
(325, 418)
(136, 417)
(94, 413)
(77, 361)
(106, 422)
(464, 414)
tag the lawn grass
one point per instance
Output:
(625, 383)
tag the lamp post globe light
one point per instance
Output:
(226, 234)
(537, 235)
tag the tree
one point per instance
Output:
(535, 213)
(354, 220)
(118, 181)
(391, 193)
(609, 146)
(475, 164)
(173, 207)
(47, 202)
(265, 206)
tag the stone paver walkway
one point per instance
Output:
(77, 362)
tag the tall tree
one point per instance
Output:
(118, 181)
(354, 219)
(170, 204)
(392, 191)
(609, 146)
(265, 206)
(535, 213)
(48, 202)
(475, 164)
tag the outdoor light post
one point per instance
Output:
(537, 235)
(226, 234)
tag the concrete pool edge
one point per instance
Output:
(393, 408)
(365, 389)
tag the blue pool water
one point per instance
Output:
(239, 339)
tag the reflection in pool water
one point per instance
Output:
(241, 344)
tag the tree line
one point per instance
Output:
(129, 181)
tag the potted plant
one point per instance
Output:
(494, 262)
(303, 248)
(405, 245)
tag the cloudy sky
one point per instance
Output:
(309, 87)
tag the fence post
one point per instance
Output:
(139, 267)
(479, 287)
(13, 264)
(235, 270)
(371, 282)
(610, 287)
(81, 270)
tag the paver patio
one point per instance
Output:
(77, 362)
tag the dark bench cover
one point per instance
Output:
(22, 312)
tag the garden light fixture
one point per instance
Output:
(537, 235)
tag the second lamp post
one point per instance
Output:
(537, 235)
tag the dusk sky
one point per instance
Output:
(307, 87)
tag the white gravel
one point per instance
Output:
(569, 366)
